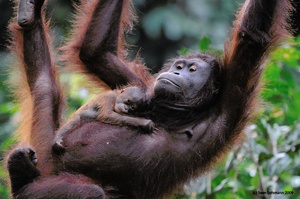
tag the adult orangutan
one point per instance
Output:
(199, 104)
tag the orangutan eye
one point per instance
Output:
(127, 101)
(193, 68)
(133, 107)
(179, 66)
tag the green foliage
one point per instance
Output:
(269, 158)
(7, 111)
(204, 44)
(282, 83)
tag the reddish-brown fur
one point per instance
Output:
(40, 102)
(112, 107)
(188, 139)
(82, 21)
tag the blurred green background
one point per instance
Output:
(268, 159)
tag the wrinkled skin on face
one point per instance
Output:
(184, 79)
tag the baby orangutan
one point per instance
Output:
(111, 107)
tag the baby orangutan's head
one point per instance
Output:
(130, 99)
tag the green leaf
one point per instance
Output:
(204, 44)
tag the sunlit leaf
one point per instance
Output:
(204, 43)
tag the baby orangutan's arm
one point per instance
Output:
(114, 108)
(107, 109)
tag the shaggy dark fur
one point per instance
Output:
(104, 160)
